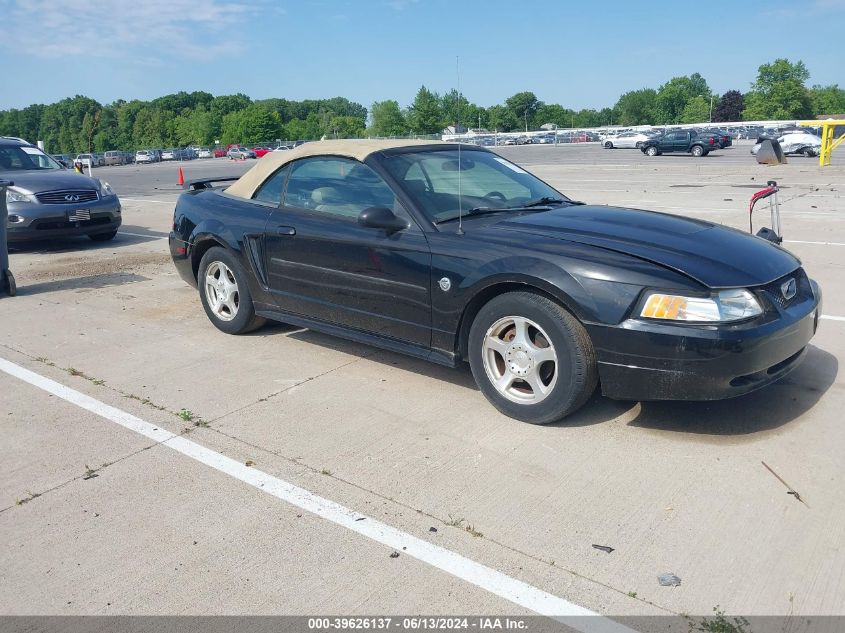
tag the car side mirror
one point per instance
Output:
(381, 218)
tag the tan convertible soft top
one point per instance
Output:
(246, 185)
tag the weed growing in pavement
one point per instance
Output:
(32, 495)
(453, 522)
(186, 414)
(325, 471)
(719, 624)
(471, 530)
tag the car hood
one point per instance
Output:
(39, 181)
(713, 255)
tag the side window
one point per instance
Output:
(336, 186)
(271, 189)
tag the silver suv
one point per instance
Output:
(49, 201)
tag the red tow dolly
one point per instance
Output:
(771, 192)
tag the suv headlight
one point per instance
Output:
(16, 195)
(105, 189)
(724, 306)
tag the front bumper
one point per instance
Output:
(639, 360)
(46, 221)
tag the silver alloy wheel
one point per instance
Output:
(221, 291)
(520, 360)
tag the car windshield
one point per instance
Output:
(442, 187)
(23, 158)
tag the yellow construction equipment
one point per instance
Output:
(829, 143)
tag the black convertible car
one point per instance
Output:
(452, 253)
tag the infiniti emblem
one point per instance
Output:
(445, 283)
(788, 289)
(72, 197)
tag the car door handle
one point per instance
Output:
(285, 230)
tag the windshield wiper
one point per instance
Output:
(478, 211)
(539, 202)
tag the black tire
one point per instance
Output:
(574, 372)
(698, 151)
(608, 145)
(103, 237)
(651, 150)
(244, 319)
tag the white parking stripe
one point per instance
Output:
(817, 243)
(152, 237)
(832, 318)
(495, 582)
(148, 200)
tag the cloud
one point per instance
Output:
(401, 5)
(830, 5)
(145, 30)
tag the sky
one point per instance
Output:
(579, 54)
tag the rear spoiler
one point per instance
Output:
(207, 183)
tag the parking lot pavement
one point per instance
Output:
(672, 487)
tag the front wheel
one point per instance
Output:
(532, 359)
(225, 294)
(651, 150)
(608, 145)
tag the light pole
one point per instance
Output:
(711, 107)
(525, 115)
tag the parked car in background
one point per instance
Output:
(627, 140)
(63, 159)
(144, 156)
(87, 160)
(169, 154)
(722, 137)
(218, 152)
(688, 141)
(545, 297)
(795, 143)
(204, 152)
(261, 151)
(240, 153)
(113, 157)
(49, 201)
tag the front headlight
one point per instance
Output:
(105, 189)
(722, 307)
(16, 195)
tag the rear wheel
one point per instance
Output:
(225, 294)
(531, 358)
(651, 150)
(608, 145)
(697, 151)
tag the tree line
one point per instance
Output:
(199, 118)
